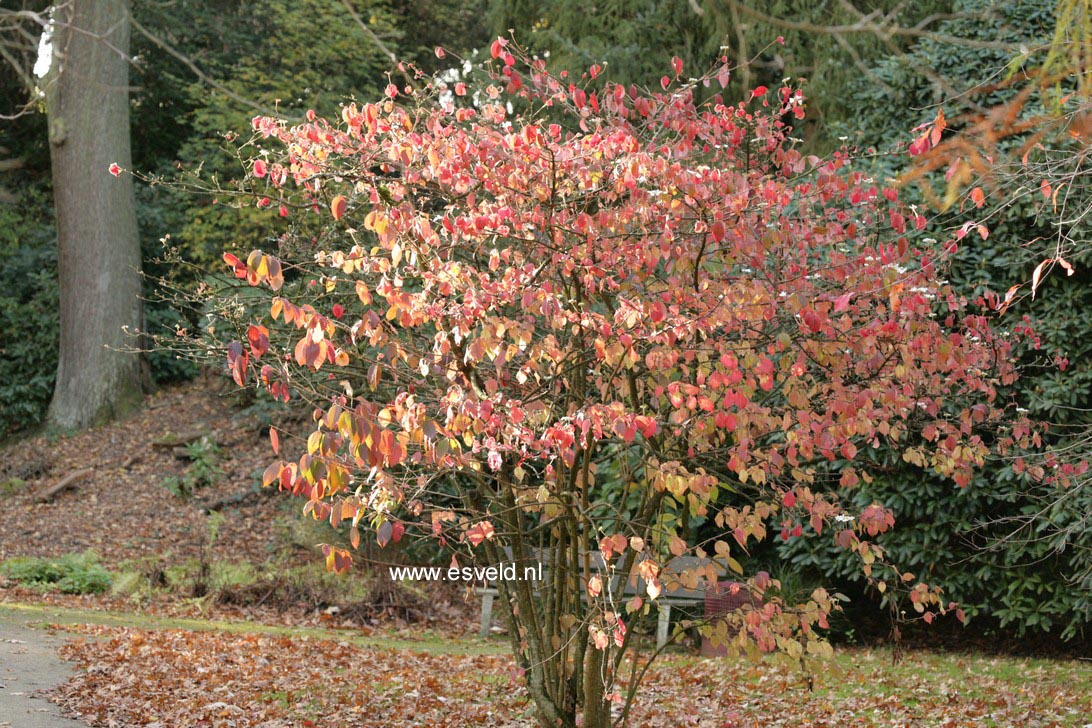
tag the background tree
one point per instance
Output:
(87, 101)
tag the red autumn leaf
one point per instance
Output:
(258, 338)
(717, 230)
(812, 320)
(479, 532)
(237, 360)
(646, 425)
(658, 312)
(238, 269)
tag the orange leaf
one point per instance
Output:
(337, 206)
(272, 474)
(1009, 297)
(275, 440)
(978, 197)
(939, 125)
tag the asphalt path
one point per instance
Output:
(29, 664)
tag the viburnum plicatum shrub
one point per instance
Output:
(592, 323)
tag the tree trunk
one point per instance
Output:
(87, 100)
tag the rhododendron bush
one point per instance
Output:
(568, 321)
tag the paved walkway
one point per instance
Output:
(29, 663)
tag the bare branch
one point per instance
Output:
(378, 42)
(196, 70)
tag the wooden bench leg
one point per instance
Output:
(487, 614)
(663, 625)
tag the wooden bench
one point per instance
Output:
(674, 593)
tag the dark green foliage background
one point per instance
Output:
(974, 542)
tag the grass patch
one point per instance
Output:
(69, 574)
(11, 486)
(422, 640)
